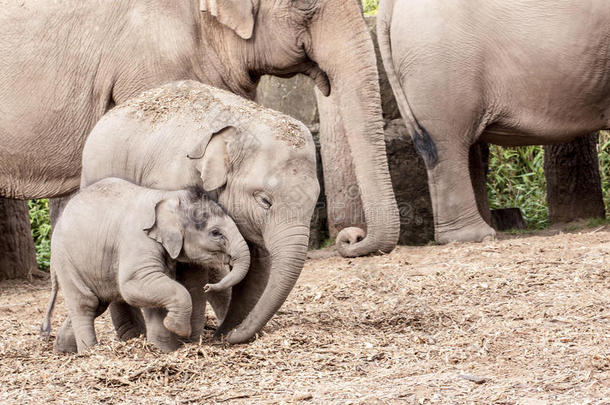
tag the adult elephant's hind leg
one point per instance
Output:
(127, 320)
(456, 215)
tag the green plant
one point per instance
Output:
(370, 6)
(516, 179)
(327, 243)
(41, 230)
(595, 222)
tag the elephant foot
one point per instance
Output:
(477, 232)
(181, 327)
(127, 320)
(65, 342)
(167, 343)
(129, 331)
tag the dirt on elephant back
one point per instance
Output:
(521, 320)
(205, 103)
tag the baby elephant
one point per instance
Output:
(118, 242)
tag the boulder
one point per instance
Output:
(294, 96)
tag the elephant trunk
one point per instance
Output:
(287, 253)
(350, 63)
(240, 261)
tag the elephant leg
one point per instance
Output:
(158, 334)
(127, 320)
(82, 314)
(65, 342)
(193, 277)
(219, 300)
(157, 290)
(456, 215)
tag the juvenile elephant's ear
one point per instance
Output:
(239, 15)
(166, 226)
(214, 159)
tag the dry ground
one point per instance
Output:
(527, 318)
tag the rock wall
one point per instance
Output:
(296, 97)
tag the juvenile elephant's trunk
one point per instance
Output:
(240, 262)
(343, 49)
(280, 270)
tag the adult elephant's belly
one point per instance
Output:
(42, 135)
(539, 131)
(39, 164)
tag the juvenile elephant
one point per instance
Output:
(259, 163)
(120, 242)
(518, 72)
(65, 63)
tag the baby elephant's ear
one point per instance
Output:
(166, 226)
(214, 159)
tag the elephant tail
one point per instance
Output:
(45, 328)
(422, 141)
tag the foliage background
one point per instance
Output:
(370, 6)
(41, 230)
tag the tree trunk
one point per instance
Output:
(573, 183)
(479, 166)
(17, 253)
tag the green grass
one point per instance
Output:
(516, 179)
(41, 230)
(327, 243)
(596, 222)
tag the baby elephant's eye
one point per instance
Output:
(215, 233)
(263, 200)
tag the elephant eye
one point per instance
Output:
(263, 200)
(215, 233)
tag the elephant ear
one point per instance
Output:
(166, 227)
(214, 160)
(238, 15)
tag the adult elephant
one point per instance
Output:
(512, 73)
(64, 64)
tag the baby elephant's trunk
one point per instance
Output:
(240, 262)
